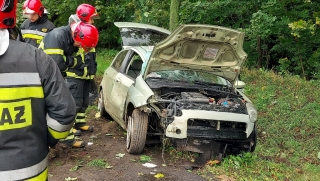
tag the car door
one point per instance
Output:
(119, 87)
(109, 79)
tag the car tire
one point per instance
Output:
(137, 131)
(101, 108)
(254, 139)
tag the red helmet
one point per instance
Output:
(86, 11)
(33, 6)
(87, 35)
(8, 13)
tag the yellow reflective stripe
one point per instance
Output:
(15, 115)
(58, 135)
(32, 36)
(24, 173)
(21, 93)
(93, 50)
(72, 74)
(81, 115)
(85, 71)
(41, 177)
(75, 62)
(54, 51)
(41, 45)
(80, 51)
(81, 120)
(33, 32)
(55, 125)
(70, 137)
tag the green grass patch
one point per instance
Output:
(145, 159)
(99, 163)
(104, 59)
(288, 130)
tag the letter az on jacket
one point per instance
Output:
(30, 112)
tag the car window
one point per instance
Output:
(119, 59)
(141, 37)
(134, 67)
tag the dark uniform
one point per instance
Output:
(33, 32)
(79, 79)
(33, 96)
(58, 44)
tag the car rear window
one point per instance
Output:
(141, 37)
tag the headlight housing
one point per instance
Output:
(253, 114)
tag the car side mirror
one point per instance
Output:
(239, 85)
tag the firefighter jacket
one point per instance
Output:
(86, 68)
(58, 44)
(33, 32)
(36, 110)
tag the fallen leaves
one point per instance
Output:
(211, 163)
(159, 175)
(97, 115)
(120, 155)
(69, 178)
(225, 178)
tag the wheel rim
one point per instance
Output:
(129, 130)
(100, 101)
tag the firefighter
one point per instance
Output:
(81, 79)
(36, 107)
(62, 44)
(37, 24)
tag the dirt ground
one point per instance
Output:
(107, 141)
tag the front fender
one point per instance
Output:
(139, 93)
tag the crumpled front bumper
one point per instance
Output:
(179, 127)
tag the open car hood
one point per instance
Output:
(138, 34)
(214, 49)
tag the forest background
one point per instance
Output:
(282, 73)
(282, 35)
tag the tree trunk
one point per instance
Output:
(259, 52)
(174, 14)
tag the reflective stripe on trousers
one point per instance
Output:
(38, 172)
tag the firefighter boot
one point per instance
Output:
(78, 144)
(76, 132)
(74, 143)
(83, 127)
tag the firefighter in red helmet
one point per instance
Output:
(80, 84)
(36, 108)
(62, 44)
(37, 24)
(87, 13)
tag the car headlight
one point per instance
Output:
(253, 114)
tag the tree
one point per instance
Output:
(174, 14)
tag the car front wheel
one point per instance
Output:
(137, 131)
(101, 108)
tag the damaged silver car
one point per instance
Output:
(181, 86)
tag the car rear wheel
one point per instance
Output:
(137, 131)
(101, 108)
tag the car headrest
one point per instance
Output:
(136, 65)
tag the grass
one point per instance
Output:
(104, 59)
(100, 163)
(288, 128)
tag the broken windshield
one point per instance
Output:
(191, 76)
